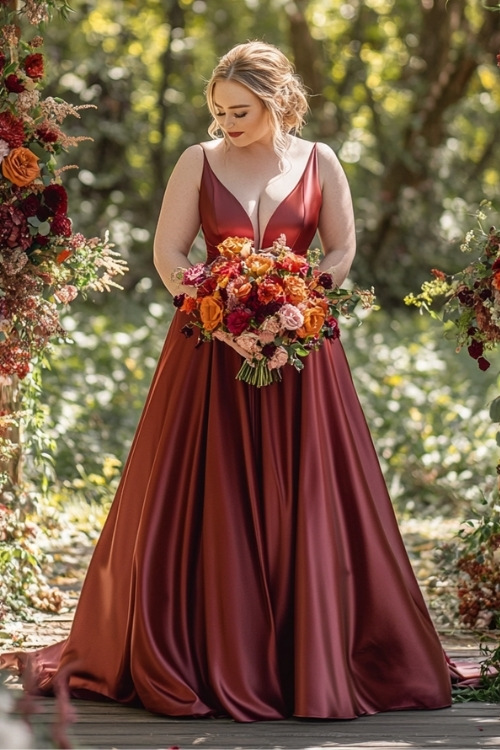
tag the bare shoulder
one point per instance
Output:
(327, 156)
(330, 167)
(191, 157)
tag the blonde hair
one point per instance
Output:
(268, 73)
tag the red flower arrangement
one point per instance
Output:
(275, 306)
(43, 263)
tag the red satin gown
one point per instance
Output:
(251, 564)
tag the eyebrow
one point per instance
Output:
(235, 106)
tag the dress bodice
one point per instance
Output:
(297, 216)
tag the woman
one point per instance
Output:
(251, 564)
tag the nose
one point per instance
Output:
(229, 122)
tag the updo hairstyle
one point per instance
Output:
(268, 73)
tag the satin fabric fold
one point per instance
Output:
(251, 564)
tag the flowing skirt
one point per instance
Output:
(251, 564)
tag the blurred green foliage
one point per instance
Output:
(406, 93)
(426, 406)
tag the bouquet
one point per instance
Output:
(471, 296)
(275, 306)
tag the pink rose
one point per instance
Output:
(290, 317)
(269, 329)
(249, 343)
(279, 359)
(194, 275)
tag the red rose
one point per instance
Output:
(33, 65)
(56, 199)
(61, 225)
(11, 130)
(14, 84)
(14, 231)
(237, 321)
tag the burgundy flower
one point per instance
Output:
(56, 198)
(475, 349)
(326, 280)
(61, 225)
(483, 363)
(30, 205)
(46, 134)
(237, 321)
(178, 300)
(43, 213)
(268, 350)
(14, 84)
(11, 130)
(42, 240)
(187, 331)
(33, 65)
(14, 231)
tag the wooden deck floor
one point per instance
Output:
(106, 726)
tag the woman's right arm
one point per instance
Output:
(179, 219)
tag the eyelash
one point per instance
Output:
(238, 117)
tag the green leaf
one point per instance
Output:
(44, 228)
(39, 151)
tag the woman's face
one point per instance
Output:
(242, 116)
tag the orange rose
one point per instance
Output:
(242, 292)
(259, 265)
(211, 312)
(234, 246)
(20, 166)
(295, 289)
(314, 317)
(189, 304)
(496, 280)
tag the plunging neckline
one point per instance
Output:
(243, 209)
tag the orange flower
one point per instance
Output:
(295, 289)
(189, 304)
(314, 317)
(211, 312)
(293, 263)
(20, 166)
(496, 280)
(242, 291)
(259, 265)
(234, 246)
(270, 290)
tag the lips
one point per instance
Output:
(235, 135)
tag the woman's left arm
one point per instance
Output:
(336, 222)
